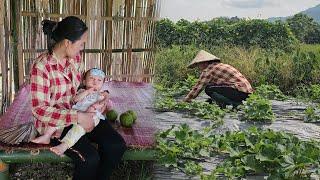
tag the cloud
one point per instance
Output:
(244, 4)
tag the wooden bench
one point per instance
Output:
(17, 155)
(25, 156)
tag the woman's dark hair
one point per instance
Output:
(71, 28)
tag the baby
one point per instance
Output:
(91, 99)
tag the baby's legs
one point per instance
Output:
(45, 138)
(73, 135)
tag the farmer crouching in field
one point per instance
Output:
(222, 82)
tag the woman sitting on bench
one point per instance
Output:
(55, 77)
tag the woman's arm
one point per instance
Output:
(205, 77)
(40, 94)
(43, 111)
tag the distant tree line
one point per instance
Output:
(304, 28)
(239, 32)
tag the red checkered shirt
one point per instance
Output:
(52, 87)
(220, 74)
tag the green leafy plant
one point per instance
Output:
(165, 101)
(183, 148)
(286, 70)
(270, 92)
(201, 110)
(308, 92)
(183, 87)
(315, 92)
(312, 114)
(257, 108)
(255, 151)
(277, 155)
(223, 31)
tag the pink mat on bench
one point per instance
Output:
(125, 96)
(139, 98)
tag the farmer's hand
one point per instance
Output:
(85, 120)
(186, 100)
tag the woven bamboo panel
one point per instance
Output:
(121, 37)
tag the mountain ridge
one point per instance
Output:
(313, 12)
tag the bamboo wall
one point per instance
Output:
(121, 37)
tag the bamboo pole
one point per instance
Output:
(87, 60)
(127, 42)
(136, 40)
(17, 49)
(4, 69)
(7, 54)
(21, 156)
(109, 36)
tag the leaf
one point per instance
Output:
(165, 134)
(180, 135)
(250, 163)
(248, 142)
(233, 152)
(288, 160)
(204, 153)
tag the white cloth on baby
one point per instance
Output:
(87, 101)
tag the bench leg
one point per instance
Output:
(4, 171)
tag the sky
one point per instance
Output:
(208, 9)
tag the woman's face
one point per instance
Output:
(203, 65)
(73, 49)
(94, 82)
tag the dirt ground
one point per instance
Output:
(135, 170)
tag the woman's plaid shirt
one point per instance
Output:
(220, 74)
(52, 87)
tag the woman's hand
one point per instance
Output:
(104, 96)
(85, 120)
(57, 133)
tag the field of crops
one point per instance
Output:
(282, 67)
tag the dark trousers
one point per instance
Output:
(223, 95)
(100, 162)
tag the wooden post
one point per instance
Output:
(109, 35)
(17, 49)
(149, 43)
(88, 56)
(126, 40)
(4, 170)
(137, 41)
(9, 81)
(4, 64)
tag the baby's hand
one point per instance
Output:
(91, 109)
(90, 90)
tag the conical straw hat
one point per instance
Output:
(203, 56)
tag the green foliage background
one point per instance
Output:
(219, 32)
(288, 70)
